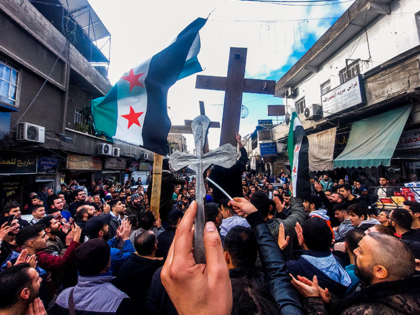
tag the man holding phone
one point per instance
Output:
(13, 209)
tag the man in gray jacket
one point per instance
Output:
(340, 211)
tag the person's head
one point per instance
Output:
(50, 192)
(13, 223)
(286, 197)
(122, 195)
(383, 218)
(352, 239)
(38, 212)
(345, 190)
(226, 210)
(19, 286)
(317, 234)
(261, 202)
(135, 200)
(328, 194)
(240, 248)
(84, 213)
(412, 207)
(97, 199)
(175, 217)
(52, 226)
(401, 219)
(383, 181)
(340, 181)
(80, 195)
(314, 203)
(326, 177)
(191, 192)
(97, 227)
(376, 259)
(251, 297)
(337, 198)
(93, 257)
(134, 221)
(358, 213)
(379, 228)
(340, 212)
(36, 200)
(56, 203)
(147, 220)
(213, 214)
(13, 209)
(62, 198)
(33, 238)
(117, 206)
(146, 244)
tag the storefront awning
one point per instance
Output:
(372, 141)
(321, 150)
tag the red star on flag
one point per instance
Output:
(297, 148)
(294, 170)
(133, 117)
(133, 79)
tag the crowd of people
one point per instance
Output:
(100, 250)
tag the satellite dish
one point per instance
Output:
(244, 112)
(287, 118)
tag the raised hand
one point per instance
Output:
(307, 290)
(282, 240)
(318, 186)
(242, 206)
(5, 229)
(279, 205)
(299, 234)
(77, 231)
(36, 308)
(183, 278)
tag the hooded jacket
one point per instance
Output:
(399, 297)
(322, 213)
(231, 222)
(342, 230)
(366, 224)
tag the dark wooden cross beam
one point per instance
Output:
(234, 86)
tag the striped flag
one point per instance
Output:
(135, 109)
(298, 149)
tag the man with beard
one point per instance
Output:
(19, 288)
(83, 214)
(329, 202)
(80, 199)
(386, 269)
(57, 203)
(52, 228)
(135, 206)
(13, 209)
(9, 243)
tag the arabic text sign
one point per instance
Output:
(48, 164)
(14, 162)
(268, 149)
(346, 95)
(409, 140)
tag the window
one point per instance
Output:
(8, 83)
(300, 106)
(79, 117)
(325, 87)
(349, 72)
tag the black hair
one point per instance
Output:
(241, 244)
(147, 220)
(51, 199)
(339, 207)
(78, 190)
(12, 281)
(358, 210)
(145, 243)
(225, 203)
(132, 218)
(414, 206)
(261, 202)
(113, 202)
(345, 186)
(251, 297)
(352, 239)
(27, 233)
(386, 178)
(10, 206)
(317, 234)
(212, 211)
(36, 207)
(80, 212)
(402, 218)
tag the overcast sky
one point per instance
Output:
(276, 37)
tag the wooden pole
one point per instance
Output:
(157, 184)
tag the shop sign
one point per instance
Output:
(10, 189)
(268, 149)
(133, 166)
(115, 164)
(144, 167)
(48, 164)
(348, 94)
(17, 163)
(86, 163)
(409, 140)
(268, 123)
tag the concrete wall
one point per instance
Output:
(385, 38)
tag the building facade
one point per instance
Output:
(50, 70)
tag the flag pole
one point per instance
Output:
(156, 184)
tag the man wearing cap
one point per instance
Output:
(165, 238)
(135, 206)
(94, 292)
(369, 199)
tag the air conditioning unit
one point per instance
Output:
(105, 149)
(30, 132)
(313, 112)
(116, 152)
(290, 92)
(287, 118)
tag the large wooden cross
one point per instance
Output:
(234, 86)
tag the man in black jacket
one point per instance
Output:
(230, 179)
(135, 275)
(165, 238)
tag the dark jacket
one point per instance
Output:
(93, 296)
(113, 226)
(165, 241)
(399, 297)
(230, 179)
(134, 278)
(73, 207)
(412, 235)
(158, 300)
(275, 270)
(302, 267)
(168, 183)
